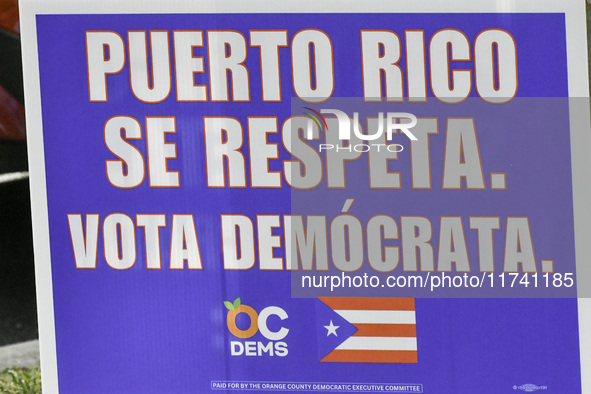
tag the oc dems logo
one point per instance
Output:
(264, 328)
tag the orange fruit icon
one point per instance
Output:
(234, 309)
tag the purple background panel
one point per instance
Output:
(165, 331)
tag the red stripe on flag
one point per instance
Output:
(371, 356)
(373, 304)
(386, 330)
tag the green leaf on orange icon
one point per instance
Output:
(236, 303)
(229, 305)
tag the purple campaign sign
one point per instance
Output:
(144, 297)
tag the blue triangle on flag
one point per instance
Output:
(327, 341)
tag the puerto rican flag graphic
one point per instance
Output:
(386, 330)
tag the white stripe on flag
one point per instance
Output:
(378, 317)
(379, 343)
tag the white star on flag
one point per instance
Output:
(332, 329)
